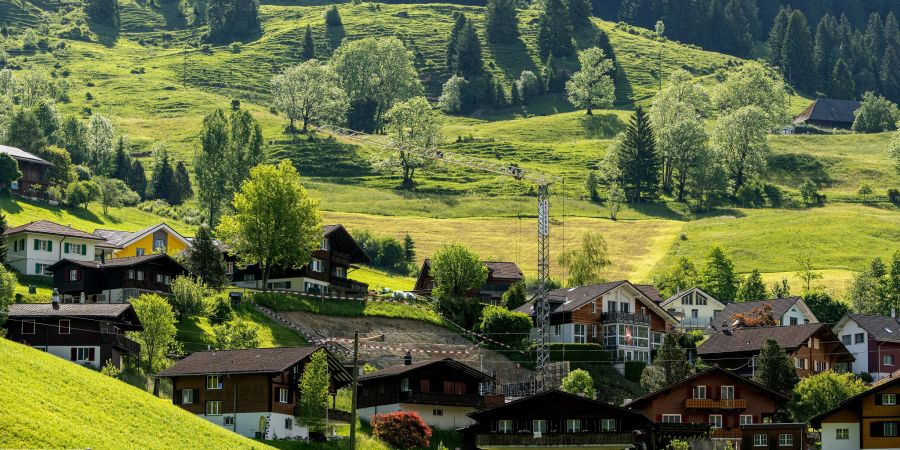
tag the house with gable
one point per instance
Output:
(873, 340)
(501, 276)
(694, 308)
(868, 420)
(787, 311)
(159, 238)
(618, 314)
(35, 173)
(33, 247)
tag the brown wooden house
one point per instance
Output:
(829, 113)
(85, 334)
(814, 348)
(716, 397)
(35, 173)
(775, 436)
(253, 392)
(555, 419)
(327, 273)
(501, 275)
(868, 420)
(441, 391)
(116, 280)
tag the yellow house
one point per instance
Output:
(155, 239)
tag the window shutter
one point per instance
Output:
(176, 399)
(91, 353)
(877, 429)
(37, 245)
(196, 397)
(736, 393)
(66, 247)
(690, 392)
(74, 354)
(659, 418)
(49, 246)
(879, 399)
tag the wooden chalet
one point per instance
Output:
(868, 420)
(501, 276)
(829, 113)
(85, 334)
(35, 173)
(116, 280)
(253, 392)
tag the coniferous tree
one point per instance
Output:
(774, 368)
(409, 249)
(138, 180)
(103, 11)
(739, 40)
(842, 85)
(122, 161)
(670, 365)
(797, 58)
(752, 288)
(183, 183)
(232, 19)
(467, 56)
(554, 30)
(309, 45)
(601, 41)
(162, 181)
(501, 21)
(24, 132)
(579, 13)
(776, 36)
(640, 165)
(718, 277)
(206, 261)
(889, 75)
(453, 41)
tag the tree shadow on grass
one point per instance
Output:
(106, 34)
(512, 58)
(602, 126)
(171, 12)
(335, 34)
(8, 205)
(85, 214)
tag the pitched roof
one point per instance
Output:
(752, 339)
(890, 381)
(691, 378)
(123, 312)
(115, 262)
(22, 155)
(556, 394)
(251, 360)
(678, 295)
(405, 368)
(780, 307)
(882, 328)
(830, 110)
(120, 239)
(504, 270)
(47, 227)
(569, 299)
(650, 291)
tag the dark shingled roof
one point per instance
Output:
(22, 155)
(114, 262)
(780, 306)
(47, 227)
(503, 270)
(401, 369)
(882, 328)
(777, 396)
(568, 299)
(650, 291)
(252, 360)
(110, 310)
(752, 339)
(830, 110)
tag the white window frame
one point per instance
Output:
(33, 326)
(608, 425)
(83, 354)
(437, 412)
(746, 419)
(698, 390)
(594, 307)
(785, 440)
(539, 426)
(213, 408)
(573, 425)
(504, 426)
(579, 337)
(187, 396)
(317, 265)
(213, 382)
(59, 326)
(730, 390)
(668, 418)
(886, 402)
(715, 420)
(139, 251)
(140, 275)
(760, 440)
(556, 330)
(842, 434)
(894, 431)
(283, 395)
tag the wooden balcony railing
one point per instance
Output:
(120, 341)
(721, 433)
(702, 403)
(554, 440)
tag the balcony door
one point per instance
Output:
(454, 387)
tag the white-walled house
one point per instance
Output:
(33, 247)
(787, 311)
(873, 340)
(694, 308)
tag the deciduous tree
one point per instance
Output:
(585, 264)
(670, 365)
(100, 141)
(740, 139)
(875, 114)
(456, 270)
(310, 92)
(579, 381)
(592, 86)
(314, 385)
(819, 393)
(9, 171)
(8, 285)
(236, 334)
(158, 336)
(753, 85)
(414, 126)
(114, 193)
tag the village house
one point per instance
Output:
(442, 391)
(35, 246)
(813, 347)
(555, 419)
(781, 436)
(160, 238)
(501, 275)
(91, 335)
(694, 308)
(253, 392)
(35, 173)
(718, 397)
(868, 420)
(786, 311)
(115, 281)
(829, 113)
(327, 273)
(618, 315)
(873, 340)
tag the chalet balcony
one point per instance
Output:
(696, 322)
(436, 398)
(120, 341)
(705, 403)
(491, 440)
(625, 317)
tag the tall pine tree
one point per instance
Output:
(183, 183)
(501, 21)
(797, 58)
(579, 13)
(825, 53)
(138, 180)
(640, 159)
(774, 368)
(453, 41)
(776, 36)
(554, 30)
(162, 181)
(122, 161)
(889, 74)
(841, 84)
(467, 57)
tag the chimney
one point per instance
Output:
(54, 299)
(407, 359)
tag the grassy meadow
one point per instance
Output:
(196, 333)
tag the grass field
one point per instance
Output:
(196, 333)
(348, 308)
(90, 410)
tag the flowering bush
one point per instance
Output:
(401, 429)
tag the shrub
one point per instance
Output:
(633, 370)
(109, 369)
(235, 47)
(774, 195)
(401, 429)
(187, 296)
(236, 335)
(500, 324)
(515, 296)
(894, 196)
(386, 252)
(579, 381)
(528, 86)
(220, 309)
(750, 196)
(235, 104)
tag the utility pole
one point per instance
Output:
(353, 391)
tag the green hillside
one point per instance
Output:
(48, 402)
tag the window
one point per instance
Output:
(746, 419)
(168, 280)
(846, 339)
(695, 313)
(805, 364)
(842, 434)
(404, 385)
(888, 360)
(316, 265)
(229, 268)
(539, 426)
(139, 252)
(504, 426)
(340, 272)
(671, 418)
(28, 327)
(580, 337)
(160, 278)
(556, 330)
(282, 395)
(611, 306)
(889, 428)
(701, 300)
(715, 420)
(607, 425)
(889, 399)
(324, 244)
(818, 366)
(727, 392)
(130, 274)
(159, 244)
(624, 307)
(229, 420)
(213, 382)
(816, 343)
(140, 275)
(249, 277)
(859, 338)
(760, 440)
(187, 396)
(40, 244)
(687, 299)
(39, 269)
(594, 330)
(72, 275)
(700, 392)
(797, 363)
(83, 354)
(437, 412)
(288, 423)
(593, 307)
(65, 326)
(785, 440)
(214, 408)
(793, 321)
(573, 425)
